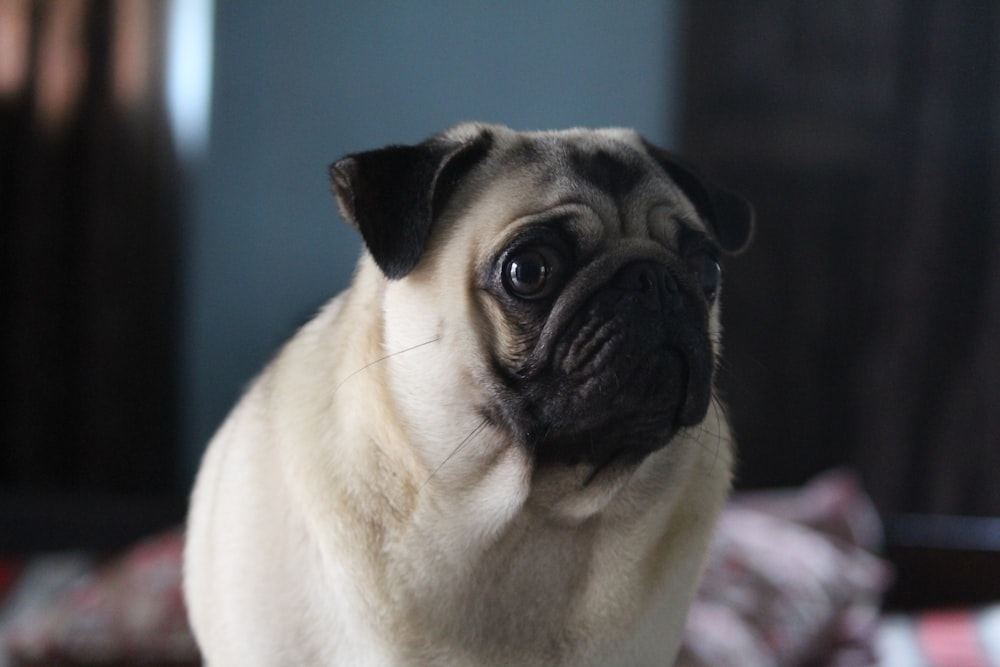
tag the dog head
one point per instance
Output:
(570, 281)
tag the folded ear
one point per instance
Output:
(392, 195)
(730, 215)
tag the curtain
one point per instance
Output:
(88, 242)
(863, 327)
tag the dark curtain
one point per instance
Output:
(89, 247)
(863, 327)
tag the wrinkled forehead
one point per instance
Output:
(608, 171)
(608, 164)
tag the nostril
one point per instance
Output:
(646, 281)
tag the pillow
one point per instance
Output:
(128, 612)
(780, 593)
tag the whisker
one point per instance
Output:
(455, 451)
(383, 358)
(714, 434)
(718, 426)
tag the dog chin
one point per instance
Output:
(573, 494)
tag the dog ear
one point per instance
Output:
(730, 215)
(393, 194)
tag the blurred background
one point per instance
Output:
(165, 221)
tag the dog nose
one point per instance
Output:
(651, 280)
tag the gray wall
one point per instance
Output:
(298, 84)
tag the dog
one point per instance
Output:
(501, 445)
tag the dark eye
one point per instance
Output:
(532, 272)
(707, 273)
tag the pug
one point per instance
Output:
(500, 445)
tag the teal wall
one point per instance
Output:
(297, 84)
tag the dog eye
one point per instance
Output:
(531, 273)
(707, 273)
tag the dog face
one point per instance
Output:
(572, 276)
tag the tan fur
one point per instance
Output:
(354, 509)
